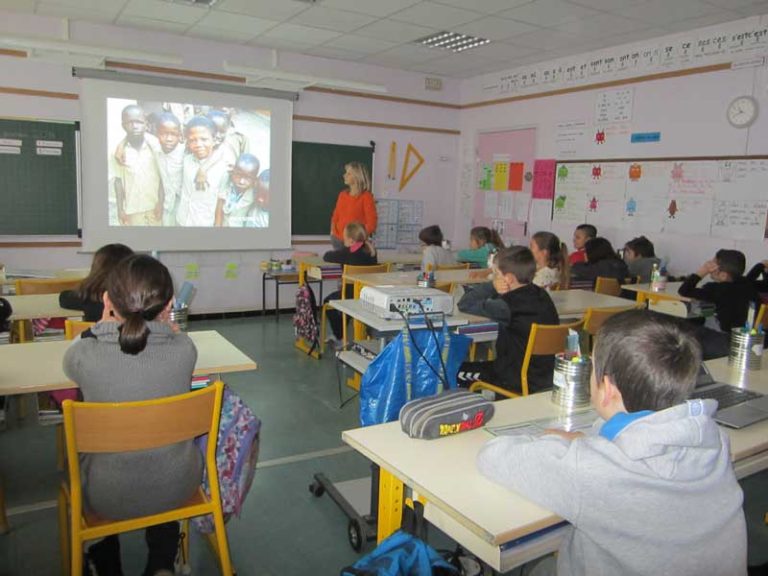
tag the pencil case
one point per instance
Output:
(445, 414)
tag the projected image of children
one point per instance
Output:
(178, 164)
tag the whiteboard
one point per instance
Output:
(718, 198)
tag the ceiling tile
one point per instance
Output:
(302, 34)
(268, 9)
(220, 34)
(378, 8)
(281, 44)
(395, 31)
(149, 24)
(615, 6)
(236, 22)
(19, 6)
(339, 20)
(545, 39)
(159, 10)
(326, 51)
(408, 53)
(548, 12)
(436, 15)
(734, 4)
(663, 12)
(703, 21)
(756, 9)
(601, 25)
(494, 28)
(485, 6)
(107, 14)
(499, 51)
(359, 44)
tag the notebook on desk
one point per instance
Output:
(737, 407)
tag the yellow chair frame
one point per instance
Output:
(594, 318)
(26, 286)
(762, 317)
(608, 286)
(543, 340)
(98, 427)
(73, 328)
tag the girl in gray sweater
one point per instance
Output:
(134, 353)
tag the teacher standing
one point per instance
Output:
(355, 204)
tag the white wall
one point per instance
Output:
(435, 183)
(690, 113)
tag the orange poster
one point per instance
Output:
(516, 176)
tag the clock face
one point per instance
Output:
(742, 112)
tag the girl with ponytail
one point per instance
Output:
(134, 353)
(551, 257)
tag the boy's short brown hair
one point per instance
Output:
(651, 358)
(517, 260)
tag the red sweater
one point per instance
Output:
(577, 256)
(360, 208)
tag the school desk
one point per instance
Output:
(31, 306)
(484, 517)
(410, 278)
(37, 366)
(644, 292)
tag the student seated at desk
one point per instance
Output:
(640, 257)
(651, 489)
(357, 251)
(432, 252)
(88, 297)
(730, 292)
(483, 243)
(758, 275)
(601, 260)
(582, 234)
(551, 257)
(135, 353)
(515, 303)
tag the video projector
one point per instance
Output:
(385, 301)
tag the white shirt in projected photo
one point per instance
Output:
(202, 184)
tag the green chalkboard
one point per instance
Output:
(316, 180)
(38, 186)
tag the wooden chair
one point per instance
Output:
(73, 328)
(99, 427)
(460, 266)
(25, 286)
(544, 340)
(762, 317)
(594, 318)
(670, 307)
(608, 286)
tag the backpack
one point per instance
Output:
(305, 323)
(237, 450)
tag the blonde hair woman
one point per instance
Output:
(354, 204)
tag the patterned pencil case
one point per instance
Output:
(445, 414)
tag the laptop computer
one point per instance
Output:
(737, 407)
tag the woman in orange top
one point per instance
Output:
(355, 204)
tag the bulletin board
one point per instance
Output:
(721, 198)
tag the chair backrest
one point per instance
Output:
(351, 270)
(93, 427)
(46, 285)
(545, 340)
(459, 266)
(73, 328)
(594, 318)
(762, 317)
(609, 286)
(669, 307)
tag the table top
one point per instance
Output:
(411, 278)
(37, 366)
(444, 470)
(356, 310)
(669, 292)
(383, 258)
(570, 303)
(12, 275)
(32, 306)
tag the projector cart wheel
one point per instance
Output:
(317, 489)
(355, 534)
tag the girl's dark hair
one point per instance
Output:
(557, 254)
(483, 235)
(599, 249)
(641, 246)
(431, 236)
(104, 260)
(139, 288)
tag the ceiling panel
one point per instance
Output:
(106, 14)
(485, 6)
(395, 31)
(548, 12)
(149, 24)
(546, 39)
(235, 22)
(158, 10)
(662, 12)
(436, 15)
(378, 8)
(407, 53)
(495, 28)
(301, 34)
(339, 20)
(601, 25)
(268, 9)
(362, 44)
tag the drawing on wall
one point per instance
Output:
(408, 170)
(593, 204)
(672, 208)
(562, 172)
(600, 137)
(635, 172)
(596, 171)
(677, 172)
(560, 203)
(631, 207)
(486, 177)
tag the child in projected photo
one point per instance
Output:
(137, 182)
(232, 143)
(205, 175)
(237, 205)
(170, 160)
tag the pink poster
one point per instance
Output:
(544, 179)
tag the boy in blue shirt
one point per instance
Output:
(651, 489)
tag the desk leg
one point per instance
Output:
(264, 294)
(277, 300)
(4, 526)
(390, 505)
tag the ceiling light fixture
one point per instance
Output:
(452, 41)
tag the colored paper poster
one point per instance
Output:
(516, 171)
(688, 215)
(500, 176)
(486, 177)
(739, 219)
(231, 271)
(490, 204)
(544, 179)
(572, 193)
(191, 272)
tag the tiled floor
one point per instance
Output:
(284, 530)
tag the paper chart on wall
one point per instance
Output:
(490, 204)
(690, 200)
(605, 194)
(506, 205)
(572, 188)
